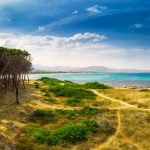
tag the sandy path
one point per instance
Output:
(118, 129)
(121, 102)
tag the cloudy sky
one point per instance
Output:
(112, 33)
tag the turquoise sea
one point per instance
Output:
(114, 79)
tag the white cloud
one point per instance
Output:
(5, 2)
(75, 12)
(41, 29)
(96, 9)
(138, 26)
(78, 50)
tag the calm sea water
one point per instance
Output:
(116, 79)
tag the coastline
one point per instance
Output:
(116, 80)
(122, 84)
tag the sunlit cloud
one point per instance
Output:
(82, 49)
(96, 9)
(138, 26)
(75, 12)
(41, 29)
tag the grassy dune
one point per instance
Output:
(61, 115)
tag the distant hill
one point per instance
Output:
(39, 68)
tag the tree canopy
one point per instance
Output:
(15, 65)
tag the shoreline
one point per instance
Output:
(124, 84)
(119, 84)
(116, 80)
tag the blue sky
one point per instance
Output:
(112, 33)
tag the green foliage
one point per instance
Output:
(144, 90)
(72, 91)
(73, 113)
(67, 113)
(72, 133)
(73, 102)
(90, 124)
(13, 51)
(88, 111)
(36, 85)
(68, 82)
(44, 115)
(96, 85)
(51, 81)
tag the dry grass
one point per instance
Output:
(132, 125)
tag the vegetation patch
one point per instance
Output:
(51, 81)
(67, 113)
(145, 90)
(72, 91)
(36, 85)
(73, 102)
(90, 124)
(96, 85)
(86, 111)
(43, 115)
(71, 133)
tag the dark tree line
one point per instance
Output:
(15, 65)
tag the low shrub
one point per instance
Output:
(51, 81)
(72, 91)
(73, 102)
(90, 124)
(88, 111)
(144, 90)
(68, 82)
(72, 133)
(67, 113)
(36, 85)
(96, 85)
(43, 115)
